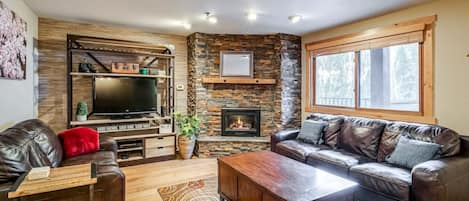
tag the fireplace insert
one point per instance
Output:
(241, 122)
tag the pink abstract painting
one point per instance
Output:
(12, 45)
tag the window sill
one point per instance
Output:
(378, 114)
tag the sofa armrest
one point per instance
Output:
(441, 180)
(111, 181)
(282, 136)
(107, 143)
(4, 189)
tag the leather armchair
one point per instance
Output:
(282, 136)
(33, 144)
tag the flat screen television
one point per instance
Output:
(124, 96)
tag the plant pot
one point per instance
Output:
(81, 118)
(186, 146)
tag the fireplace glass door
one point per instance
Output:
(240, 122)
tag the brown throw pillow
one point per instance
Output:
(361, 136)
(332, 130)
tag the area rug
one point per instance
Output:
(199, 190)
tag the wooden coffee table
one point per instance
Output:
(267, 176)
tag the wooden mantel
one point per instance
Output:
(220, 80)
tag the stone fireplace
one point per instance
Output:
(277, 105)
(241, 122)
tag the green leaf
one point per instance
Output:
(188, 125)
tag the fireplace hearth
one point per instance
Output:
(241, 122)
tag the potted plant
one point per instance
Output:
(82, 111)
(189, 127)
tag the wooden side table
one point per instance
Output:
(59, 179)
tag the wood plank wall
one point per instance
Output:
(52, 64)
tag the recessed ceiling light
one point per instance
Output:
(252, 16)
(295, 18)
(212, 19)
(187, 25)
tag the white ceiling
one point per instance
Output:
(166, 16)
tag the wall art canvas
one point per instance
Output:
(12, 45)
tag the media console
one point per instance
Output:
(136, 145)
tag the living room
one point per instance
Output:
(234, 100)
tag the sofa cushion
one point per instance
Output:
(18, 156)
(335, 161)
(311, 131)
(296, 149)
(384, 178)
(19, 152)
(334, 124)
(361, 136)
(428, 133)
(45, 138)
(408, 153)
(102, 158)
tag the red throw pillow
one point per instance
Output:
(80, 140)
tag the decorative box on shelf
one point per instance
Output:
(129, 68)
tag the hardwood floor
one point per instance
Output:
(142, 181)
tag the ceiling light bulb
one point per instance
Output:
(252, 16)
(212, 19)
(187, 25)
(295, 18)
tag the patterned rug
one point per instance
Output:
(200, 190)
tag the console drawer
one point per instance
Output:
(159, 151)
(159, 142)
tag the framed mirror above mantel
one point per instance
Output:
(238, 64)
(237, 67)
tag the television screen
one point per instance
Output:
(122, 96)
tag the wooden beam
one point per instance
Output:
(395, 29)
(218, 80)
(124, 44)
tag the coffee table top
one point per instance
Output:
(285, 177)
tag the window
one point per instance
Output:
(389, 78)
(334, 80)
(385, 73)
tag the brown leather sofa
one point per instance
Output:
(33, 144)
(356, 148)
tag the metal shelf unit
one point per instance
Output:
(95, 48)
